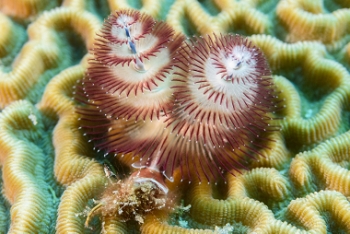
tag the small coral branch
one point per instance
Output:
(204, 106)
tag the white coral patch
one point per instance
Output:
(33, 118)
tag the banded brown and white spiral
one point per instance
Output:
(204, 106)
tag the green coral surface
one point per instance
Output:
(50, 174)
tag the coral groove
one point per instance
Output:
(51, 176)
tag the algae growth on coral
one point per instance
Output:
(50, 174)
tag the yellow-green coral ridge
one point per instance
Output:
(50, 174)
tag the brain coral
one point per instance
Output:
(51, 176)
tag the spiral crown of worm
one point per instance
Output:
(203, 105)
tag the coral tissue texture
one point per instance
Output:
(50, 175)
